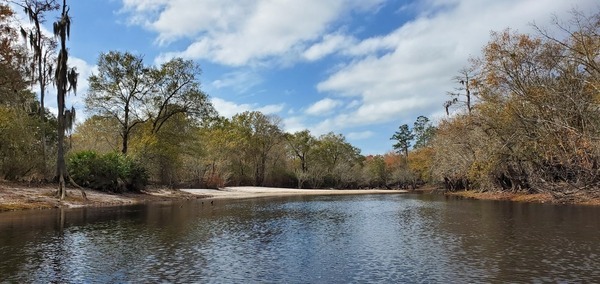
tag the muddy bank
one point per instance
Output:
(580, 198)
(19, 196)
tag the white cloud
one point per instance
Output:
(271, 109)
(240, 81)
(78, 100)
(294, 124)
(360, 135)
(323, 107)
(238, 33)
(85, 70)
(331, 43)
(406, 73)
(229, 109)
(353, 104)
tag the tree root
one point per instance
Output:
(81, 189)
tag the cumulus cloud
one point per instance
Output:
(331, 43)
(241, 81)
(323, 107)
(229, 109)
(360, 135)
(237, 33)
(293, 124)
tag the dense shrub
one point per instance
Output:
(111, 172)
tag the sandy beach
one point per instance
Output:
(254, 191)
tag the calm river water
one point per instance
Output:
(317, 239)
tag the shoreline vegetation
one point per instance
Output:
(578, 198)
(23, 196)
(521, 124)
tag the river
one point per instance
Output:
(305, 239)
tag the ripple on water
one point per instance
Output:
(390, 238)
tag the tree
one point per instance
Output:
(398, 170)
(133, 93)
(420, 164)
(177, 91)
(218, 153)
(119, 91)
(376, 171)
(257, 135)
(18, 145)
(535, 125)
(43, 47)
(66, 81)
(335, 162)
(455, 147)
(423, 132)
(20, 127)
(464, 79)
(163, 153)
(301, 144)
(43, 52)
(403, 137)
(96, 134)
(13, 60)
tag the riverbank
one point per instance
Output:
(580, 198)
(21, 196)
(255, 191)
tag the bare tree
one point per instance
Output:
(464, 90)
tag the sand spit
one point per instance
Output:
(254, 191)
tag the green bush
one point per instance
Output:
(111, 172)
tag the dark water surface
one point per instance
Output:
(317, 239)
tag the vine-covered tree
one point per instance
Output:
(66, 81)
(42, 46)
(43, 49)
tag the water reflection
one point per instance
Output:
(340, 239)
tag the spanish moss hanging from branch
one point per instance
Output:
(66, 81)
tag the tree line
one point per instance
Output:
(527, 113)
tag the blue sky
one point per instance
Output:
(356, 67)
